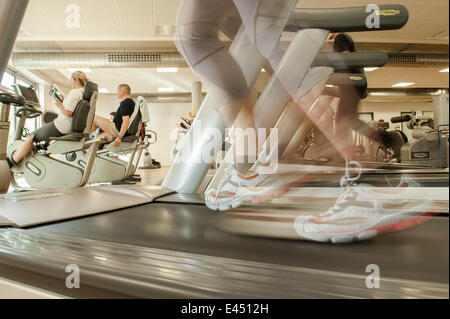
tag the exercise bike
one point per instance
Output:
(117, 165)
(151, 137)
(42, 169)
(6, 101)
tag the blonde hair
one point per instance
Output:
(81, 77)
(125, 88)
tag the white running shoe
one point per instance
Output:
(361, 212)
(234, 189)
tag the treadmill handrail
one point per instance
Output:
(344, 61)
(351, 19)
(353, 79)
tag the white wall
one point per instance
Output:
(106, 104)
(164, 118)
(46, 100)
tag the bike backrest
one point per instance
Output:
(140, 116)
(144, 110)
(135, 120)
(84, 112)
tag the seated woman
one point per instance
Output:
(60, 126)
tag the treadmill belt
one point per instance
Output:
(176, 251)
(192, 228)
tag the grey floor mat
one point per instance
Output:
(31, 208)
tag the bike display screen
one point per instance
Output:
(29, 94)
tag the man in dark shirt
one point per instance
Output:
(118, 127)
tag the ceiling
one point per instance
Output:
(423, 78)
(128, 21)
(148, 25)
(100, 19)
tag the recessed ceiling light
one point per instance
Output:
(403, 84)
(103, 90)
(329, 86)
(378, 94)
(165, 30)
(263, 70)
(166, 89)
(167, 70)
(444, 70)
(85, 70)
(370, 69)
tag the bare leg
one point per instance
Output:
(299, 137)
(346, 113)
(104, 124)
(230, 112)
(103, 134)
(320, 115)
(23, 150)
(239, 114)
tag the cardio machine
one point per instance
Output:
(43, 169)
(6, 100)
(392, 141)
(427, 147)
(109, 165)
(148, 162)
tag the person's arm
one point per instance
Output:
(63, 109)
(70, 103)
(123, 130)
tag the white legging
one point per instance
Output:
(199, 22)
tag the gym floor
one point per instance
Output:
(153, 176)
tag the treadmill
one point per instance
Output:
(175, 247)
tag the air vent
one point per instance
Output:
(402, 58)
(48, 60)
(134, 58)
(417, 59)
